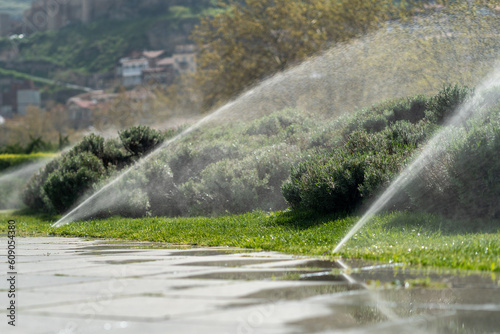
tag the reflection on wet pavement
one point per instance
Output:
(158, 288)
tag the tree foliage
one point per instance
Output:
(255, 38)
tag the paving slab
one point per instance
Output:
(138, 308)
(73, 285)
(30, 324)
(130, 286)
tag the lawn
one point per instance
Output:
(410, 238)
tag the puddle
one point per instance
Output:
(212, 252)
(322, 276)
(124, 261)
(314, 264)
(231, 263)
(116, 247)
(451, 299)
(468, 322)
(461, 279)
(96, 253)
(347, 317)
(187, 287)
(368, 298)
(408, 311)
(249, 275)
(302, 292)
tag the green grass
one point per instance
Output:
(410, 238)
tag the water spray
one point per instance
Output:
(434, 146)
(72, 215)
(359, 73)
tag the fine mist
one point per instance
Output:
(13, 181)
(236, 159)
(427, 165)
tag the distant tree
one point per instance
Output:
(252, 39)
(44, 125)
(126, 110)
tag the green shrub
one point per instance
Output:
(188, 162)
(411, 109)
(114, 154)
(34, 195)
(239, 185)
(139, 140)
(473, 170)
(89, 144)
(163, 195)
(59, 185)
(374, 123)
(442, 105)
(327, 186)
(368, 158)
(460, 178)
(181, 164)
(75, 175)
(403, 133)
(361, 142)
(127, 197)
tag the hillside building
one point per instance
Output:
(185, 58)
(131, 71)
(19, 97)
(152, 67)
(80, 112)
(27, 97)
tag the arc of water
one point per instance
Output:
(463, 111)
(66, 219)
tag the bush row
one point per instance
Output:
(460, 176)
(59, 185)
(286, 158)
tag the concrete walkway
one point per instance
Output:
(68, 285)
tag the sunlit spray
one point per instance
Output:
(429, 152)
(387, 64)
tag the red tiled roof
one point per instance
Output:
(85, 104)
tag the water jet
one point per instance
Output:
(430, 152)
(343, 78)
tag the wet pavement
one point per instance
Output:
(69, 285)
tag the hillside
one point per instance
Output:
(95, 47)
